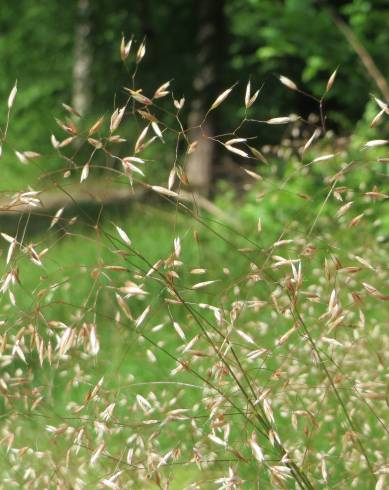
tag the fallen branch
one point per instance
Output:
(51, 200)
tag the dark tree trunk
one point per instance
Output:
(211, 53)
(82, 59)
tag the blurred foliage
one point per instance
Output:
(296, 38)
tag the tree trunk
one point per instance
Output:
(82, 59)
(211, 49)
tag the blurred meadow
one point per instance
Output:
(194, 241)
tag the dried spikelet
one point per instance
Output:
(252, 174)
(12, 95)
(280, 472)
(66, 142)
(133, 160)
(96, 126)
(192, 147)
(125, 48)
(165, 458)
(116, 119)
(157, 130)
(245, 336)
(323, 158)
(274, 437)
(143, 403)
(11, 250)
(200, 285)
(198, 271)
(179, 104)
(151, 356)
(332, 341)
(331, 81)
(221, 98)
(123, 235)
(136, 95)
(377, 118)
(129, 167)
(282, 242)
(129, 456)
(66, 340)
(7, 237)
(96, 454)
(342, 210)
(376, 195)
(178, 329)
(190, 344)
(147, 115)
(85, 172)
(71, 110)
(314, 136)
(96, 143)
(94, 344)
(286, 336)
(110, 482)
(154, 268)
(172, 178)
(355, 221)
(374, 292)
(268, 410)
(123, 306)
(177, 247)
(141, 52)
(364, 262)
(382, 105)
(140, 140)
(56, 217)
(217, 440)
(380, 485)
(375, 143)
(237, 151)
(256, 450)
(258, 155)
(259, 225)
(281, 120)
(16, 349)
(141, 318)
(68, 127)
(131, 289)
(235, 140)
(163, 191)
(21, 157)
(281, 261)
(161, 91)
(288, 82)
(250, 99)
(247, 94)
